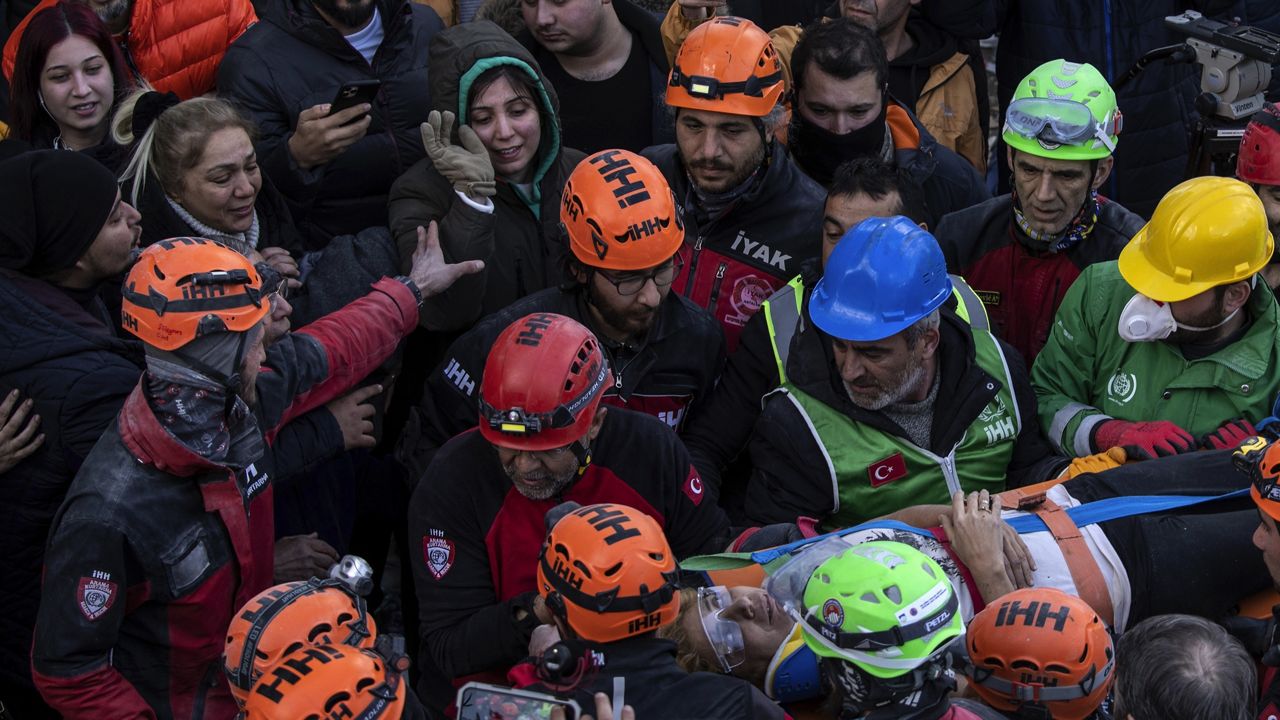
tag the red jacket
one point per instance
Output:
(156, 547)
(175, 45)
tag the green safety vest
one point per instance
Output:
(784, 315)
(873, 473)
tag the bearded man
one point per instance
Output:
(890, 397)
(335, 168)
(543, 438)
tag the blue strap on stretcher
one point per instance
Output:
(1120, 507)
(1088, 514)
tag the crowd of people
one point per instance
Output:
(610, 358)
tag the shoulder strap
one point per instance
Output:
(968, 305)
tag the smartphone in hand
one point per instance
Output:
(355, 92)
(482, 701)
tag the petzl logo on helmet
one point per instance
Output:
(617, 170)
(96, 594)
(1122, 386)
(833, 613)
(438, 553)
(887, 470)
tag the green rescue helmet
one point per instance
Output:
(1065, 111)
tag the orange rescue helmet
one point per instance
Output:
(727, 65)
(619, 213)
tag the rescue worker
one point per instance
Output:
(751, 215)
(891, 399)
(886, 626)
(1041, 653)
(665, 352)
(544, 438)
(718, 430)
(1259, 165)
(167, 527)
(1259, 460)
(1174, 345)
(1022, 251)
(608, 578)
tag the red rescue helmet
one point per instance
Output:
(1041, 647)
(543, 381)
(1259, 160)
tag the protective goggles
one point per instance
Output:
(1063, 122)
(724, 635)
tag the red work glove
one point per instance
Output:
(1229, 435)
(1143, 440)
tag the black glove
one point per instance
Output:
(761, 538)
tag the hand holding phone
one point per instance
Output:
(353, 93)
(482, 701)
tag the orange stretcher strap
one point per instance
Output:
(1085, 573)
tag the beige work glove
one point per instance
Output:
(467, 167)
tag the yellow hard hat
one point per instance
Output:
(1206, 232)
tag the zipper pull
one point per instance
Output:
(720, 271)
(617, 381)
(697, 244)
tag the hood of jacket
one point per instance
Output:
(930, 46)
(462, 53)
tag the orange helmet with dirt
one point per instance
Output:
(184, 288)
(1041, 646)
(329, 681)
(607, 571)
(727, 65)
(286, 617)
(619, 213)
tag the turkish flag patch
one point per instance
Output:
(95, 595)
(437, 553)
(694, 487)
(887, 470)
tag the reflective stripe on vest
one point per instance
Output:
(873, 473)
(784, 316)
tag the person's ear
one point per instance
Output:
(1103, 172)
(597, 422)
(1237, 295)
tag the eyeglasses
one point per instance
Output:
(632, 283)
(724, 635)
(1065, 122)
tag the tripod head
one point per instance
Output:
(1236, 63)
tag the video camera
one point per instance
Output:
(1235, 60)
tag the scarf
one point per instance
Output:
(820, 152)
(1080, 227)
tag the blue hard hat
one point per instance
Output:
(883, 276)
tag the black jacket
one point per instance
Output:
(520, 240)
(1021, 283)
(78, 373)
(789, 476)
(646, 27)
(656, 687)
(947, 181)
(476, 539)
(291, 60)
(731, 264)
(674, 367)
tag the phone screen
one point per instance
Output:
(479, 701)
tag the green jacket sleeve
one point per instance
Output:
(1064, 371)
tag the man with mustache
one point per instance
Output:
(665, 351)
(544, 438)
(890, 398)
(928, 71)
(335, 168)
(752, 217)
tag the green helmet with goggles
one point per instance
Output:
(1063, 110)
(883, 606)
